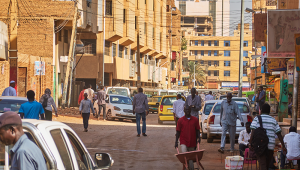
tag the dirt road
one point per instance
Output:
(156, 151)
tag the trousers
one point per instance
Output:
(266, 160)
(138, 122)
(100, 106)
(85, 118)
(242, 148)
(184, 148)
(232, 130)
(48, 115)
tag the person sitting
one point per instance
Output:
(244, 138)
(292, 143)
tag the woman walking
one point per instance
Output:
(47, 102)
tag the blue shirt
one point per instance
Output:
(27, 155)
(9, 91)
(31, 110)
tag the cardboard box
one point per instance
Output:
(234, 162)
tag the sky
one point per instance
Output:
(235, 13)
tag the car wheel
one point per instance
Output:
(160, 122)
(210, 140)
(109, 116)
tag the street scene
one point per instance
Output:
(153, 84)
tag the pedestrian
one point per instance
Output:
(194, 102)
(244, 138)
(85, 110)
(24, 154)
(261, 97)
(10, 91)
(228, 116)
(272, 128)
(47, 102)
(178, 108)
(81, 97)
(141, 109)
(209, 96)
(188, 131)
(31, 109)
(101, 96)
(90, 92)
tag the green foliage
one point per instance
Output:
(183, 44)
(200, 74)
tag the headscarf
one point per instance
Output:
(48, 92)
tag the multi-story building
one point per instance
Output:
(219, 10)
(219, 57)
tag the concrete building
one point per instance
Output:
(219, 10)
(219, 57)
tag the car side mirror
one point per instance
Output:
(103, 160)
(157, 104)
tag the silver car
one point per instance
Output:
(214, 130)
(11, 103)
(204, 112)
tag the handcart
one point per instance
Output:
(195, 156)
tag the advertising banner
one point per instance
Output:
(282, 25)
(39, 68)
(264, 64)
(290, 71)
(278, 64)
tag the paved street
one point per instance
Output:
(156, 151)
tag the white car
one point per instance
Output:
(117, 106)
(204, 112)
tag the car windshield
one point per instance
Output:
(242, 107)
(155, 99)
(172, 93)
(10, 105)
(118, 91)
(168, 100)
(120, 100)
(208, 108)
(163, 93)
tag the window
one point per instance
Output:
(202, 43)
(121, 51)
(202, 62)
(108, 7)
(245, 63)
(202, 53)
(65, 36)
(196, 52)
(226, 43)
(132, 54)
(62, 148)
(196, 43)
(216, 63)
(227, 63)
(216, 73)
(227, 73)
(182, 7)
(209, 63)
(88, 3)
(215, 53)
(245, 54)
(208, 72)
(126, 52)
(124, 15)
(107, 48)
(209, 53)
(114, 50)
(245, 43)
(226, 53)
(167, 7)
(89, 46)
(216, 43)
(209, 43)
(135, 24)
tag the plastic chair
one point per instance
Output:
(248, 160)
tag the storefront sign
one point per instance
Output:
(264, 64)
(278, 64)
(235, 84)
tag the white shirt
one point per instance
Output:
(9, 91)
(90, 93)
(178, 108)
(244, 137)
(209, 97)
(292, 143)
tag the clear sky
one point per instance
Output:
(235, 13)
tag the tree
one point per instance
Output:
(183, 43)
(200, 74)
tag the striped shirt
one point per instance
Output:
(271, 126)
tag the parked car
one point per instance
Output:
(214, 130)
(245, 100)
(11, 103)
(60, 145)
(221, 97)
(165, 112)
(204, 112)
(124, 91)
(117, 106)
(154, 103)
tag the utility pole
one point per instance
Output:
(170, 59)
(295, 96)
(138, 56)
(70, 57)
(241, 50)
(104, 12)
(194, 75)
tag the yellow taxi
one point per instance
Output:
(154, 103)
(165, 112)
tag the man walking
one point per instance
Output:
(194, 102)
(10, 91)
(24, 154)
(81, 95)
(261, 97)
(188, 130)
(47, 102)
(271, 126)
(244, 139)
(178, 108)
(85, 110)
(90, 92)
(209, 96)
(101, 96)
(31, 109)
(229, 113)
(140, 106)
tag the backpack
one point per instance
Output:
(45, 101)
(260, 139)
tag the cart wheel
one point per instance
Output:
(210, 140)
